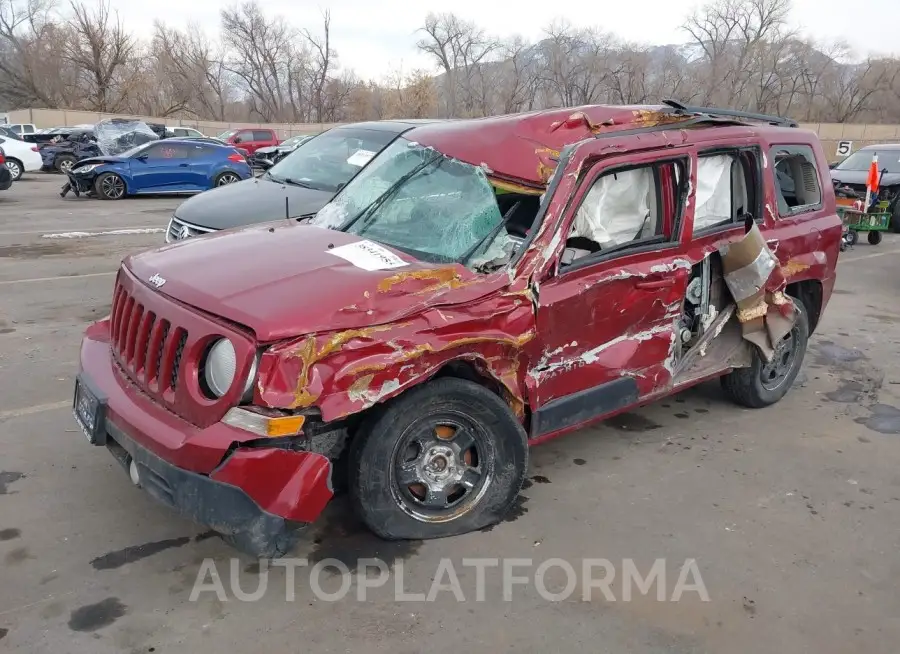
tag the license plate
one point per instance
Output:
(89, 411)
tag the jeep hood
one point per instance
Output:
(281, 281)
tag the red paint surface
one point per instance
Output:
(293, 485)
(341, 339)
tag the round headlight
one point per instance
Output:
(220, 367)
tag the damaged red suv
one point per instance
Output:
(482, 286)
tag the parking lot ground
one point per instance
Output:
(791, 513)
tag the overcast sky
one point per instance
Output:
(373, 37)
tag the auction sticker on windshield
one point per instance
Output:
(360, 158)
(368, 256)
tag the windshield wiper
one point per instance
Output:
(297, 182)
(381, 199)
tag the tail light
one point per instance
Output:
(236, 158)
(35, 148)
(2, 159)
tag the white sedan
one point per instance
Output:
(21, 157)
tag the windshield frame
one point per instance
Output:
(227, 134)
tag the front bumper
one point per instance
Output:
(254, 494)
(82, 183)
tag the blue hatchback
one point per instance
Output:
(165, 166)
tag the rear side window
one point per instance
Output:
(200, 151)
(262, 135)
(726, 189)
(797, 187)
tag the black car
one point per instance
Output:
(851, 173)
(296, 187)
(5, 176)
(265, 158)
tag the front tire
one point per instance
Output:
(874, 238)
(764, 384)
(16, 169)
(109, 186)
(446, 458)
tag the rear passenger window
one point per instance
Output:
(262, 135)
(726, 189)
(797, 187)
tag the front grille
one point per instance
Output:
(156, 340)
(179, 230)
(140, 342)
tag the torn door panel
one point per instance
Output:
(756, 281)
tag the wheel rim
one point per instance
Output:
(13, 169)
(227, 178)
(442, 465)
(776, 372)
(66, 165)
(112, 187)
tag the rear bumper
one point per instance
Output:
(205, 474)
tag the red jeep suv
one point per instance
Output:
(482, 286)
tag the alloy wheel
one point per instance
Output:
(113, 187)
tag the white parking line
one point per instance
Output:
(37, 408)
(10, 282)
(112, 232)
(872, 256)
(98, 228)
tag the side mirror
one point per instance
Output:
(238, 139)
(142, 157)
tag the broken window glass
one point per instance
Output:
(796, 179)
(420, 201)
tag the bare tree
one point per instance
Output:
(459, 48)
(323, 60)
(100, 48)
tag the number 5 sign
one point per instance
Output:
(844, 148)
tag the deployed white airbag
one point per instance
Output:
(713, 191)
(616, 208)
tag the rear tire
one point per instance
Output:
(16, 169)
(446, 458)
(874, 238)
(109, 186)
(754, 387)
(64, 163)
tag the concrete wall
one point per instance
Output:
(830, 133)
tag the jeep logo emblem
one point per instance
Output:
(157, 281)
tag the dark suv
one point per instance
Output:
(480, 287)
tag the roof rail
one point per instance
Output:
(731, 113)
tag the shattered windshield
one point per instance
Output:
(420, 201)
